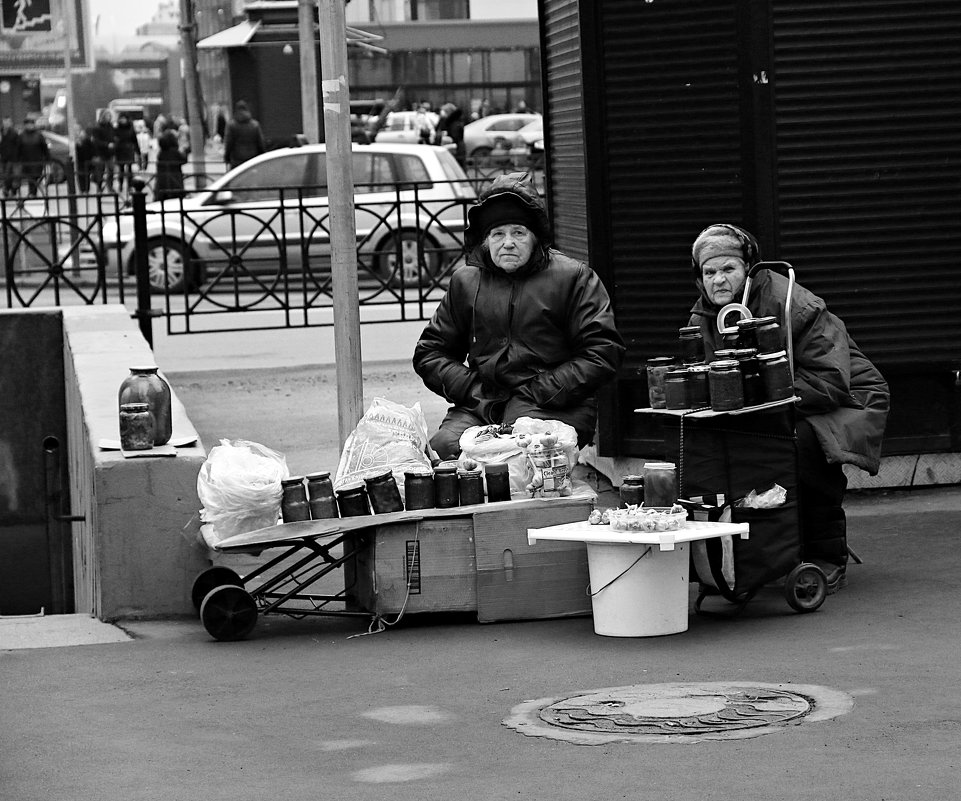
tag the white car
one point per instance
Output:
(527, 149)
(484, 135)
(268, 219)
(405, 127)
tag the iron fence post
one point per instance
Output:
(143, 314)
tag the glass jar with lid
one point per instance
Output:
(320, 496)
(750, 377)
(632, 490)
(352, 500)
(136, 427)
(293, 501)
(676, 390)
(657, 368)
(698, 391)
(497, 476)
(776, 375)
(446, 494)
(726, 386)
(768, 335)
(419, 490)
(691, 342)
(383, 493)
(470, 486)
(747, 333)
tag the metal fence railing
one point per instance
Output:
(248, 261)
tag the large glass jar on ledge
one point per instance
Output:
(146, 385)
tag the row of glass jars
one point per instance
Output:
(736, 378)
(312, 497)
(762, 334)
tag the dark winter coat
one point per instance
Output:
(243, 139)
(32, 152)
(104, 143)
(125, 143)
(170, 180)
(545, 333)
(9, 145)
(842, 394)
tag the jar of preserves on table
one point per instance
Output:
(383, 493)
(768, 335)
(293, 501)
(776, 376)
(320, 496)
(692, 344)
(676, 390)
(747, 333)
(660, 484)
(497, 477)
(632, 490)
(470, 486)
(352, 500)
(750, 377)
(419, 490)
(699, 393)
(446, 494)
(726, 386)
(657, 369)
(729, 337)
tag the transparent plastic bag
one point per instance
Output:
(485, 445)
(388, 435)
(239, 487)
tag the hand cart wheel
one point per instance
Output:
(228, 613)
(210, 578)
(805, 587)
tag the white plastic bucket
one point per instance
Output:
(649, 599)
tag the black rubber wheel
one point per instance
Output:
(418, 262)
(210, 578)
(228, 613)
(805, 587)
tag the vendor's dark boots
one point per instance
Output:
(825, 544)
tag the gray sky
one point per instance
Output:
(120, 17)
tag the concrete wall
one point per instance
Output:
(135, 553)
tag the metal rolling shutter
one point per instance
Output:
(563, 96)
(673, 155)
(868, 117)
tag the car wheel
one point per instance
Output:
(169, 268)
(407, 259)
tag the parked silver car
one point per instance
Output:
(270, 217)
(482, 136)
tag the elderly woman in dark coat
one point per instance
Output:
(523, 331)
(844, 400)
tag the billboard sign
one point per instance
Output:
(33, 35)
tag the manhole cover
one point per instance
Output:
(676, 712)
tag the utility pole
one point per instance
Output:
(308, 70)
(343, 230)
(188, 47)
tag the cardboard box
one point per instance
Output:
(476, 559)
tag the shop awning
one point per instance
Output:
(237, 36)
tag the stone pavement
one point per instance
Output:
(303, 709)
(306, 709)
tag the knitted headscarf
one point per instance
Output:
(722, 239)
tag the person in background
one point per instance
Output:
(126, 151)
(9, 149)
(452, 123)
(844, 400)
(145, 144)
(103, 153)
(33, 153)
(243, 138)
(170, 180)
(183, 136)
(85, 151)
(523, 330)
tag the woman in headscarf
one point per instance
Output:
(844, 400)
(523, 331)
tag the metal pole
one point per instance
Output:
(343, 233)
(308, 70)
(188, 45)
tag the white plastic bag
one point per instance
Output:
(550, 447)
(239, 487)
(388, 435)
(485, 446)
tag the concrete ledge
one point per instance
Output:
(132, 558)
